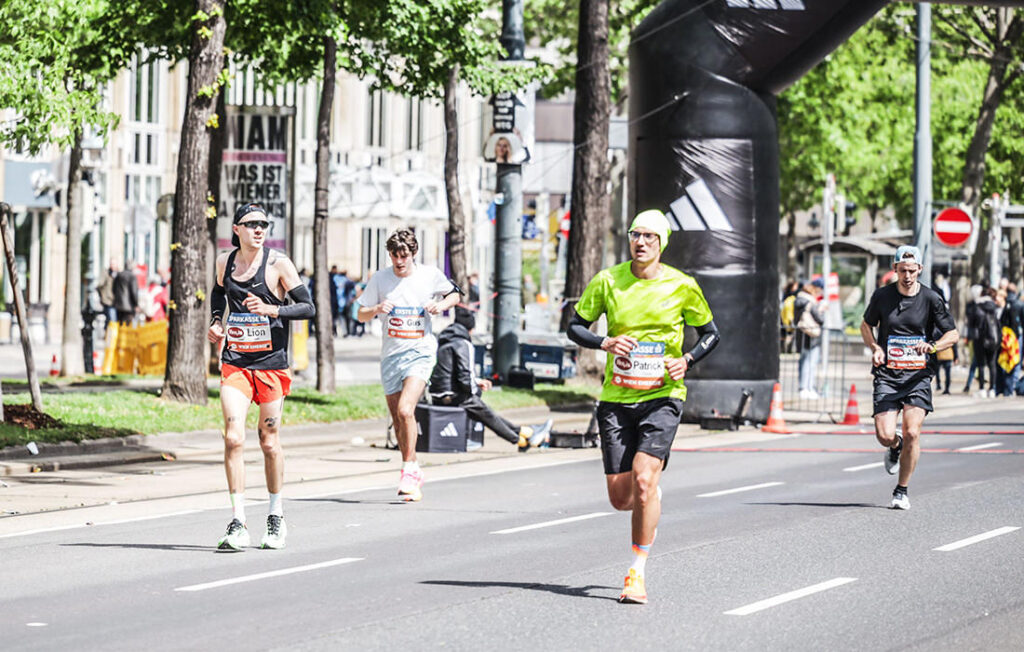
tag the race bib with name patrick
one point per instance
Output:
(643, 368)
(406, 323)
(248, 333)
(900, 353)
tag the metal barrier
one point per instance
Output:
(830, 391)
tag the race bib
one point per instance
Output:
(248, 333)
(643, 368)
(406, 323)
(901, 355)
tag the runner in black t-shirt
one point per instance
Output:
(906, 314)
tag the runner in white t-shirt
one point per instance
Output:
(405, 296)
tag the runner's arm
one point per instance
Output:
(303, 307)
(706, 343)
(218, 298)
(579, 332)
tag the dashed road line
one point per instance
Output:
(789, 597)
(978, 447)
(261, 576)
(560, 521)
(863, 467)
(962, 543)
(737, 490)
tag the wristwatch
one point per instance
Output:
(934, 348)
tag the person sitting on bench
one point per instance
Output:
(454, 383)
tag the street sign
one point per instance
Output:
(953, 227)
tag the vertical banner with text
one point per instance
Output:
(255, 169)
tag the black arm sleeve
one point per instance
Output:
(579, 332)
(218, 301)
(708, 340)
(302, 308)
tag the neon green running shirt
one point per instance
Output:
(654, 312)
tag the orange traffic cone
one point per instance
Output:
(97, 363)
(852, 417)
(776, 422)
(54, 367)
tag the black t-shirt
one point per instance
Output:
(901, 321)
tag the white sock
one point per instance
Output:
(238, 506)
(640, 554)
(411, 467)
(275, 509)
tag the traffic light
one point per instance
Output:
(851, 219)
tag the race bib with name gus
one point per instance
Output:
(248, 333)
(406, 323)
(643, 368)
(900, 353)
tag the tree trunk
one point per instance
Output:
(1008, 33)
(185, 379)
(589, 199)
(218, 141)
(324, 285)
(791, 251)
(71, 361)
(456, 216)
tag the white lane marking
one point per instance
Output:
(737, 490)
(137, 519)
(978, 447)
(560, 521)
(277, 573)
(956, 545)
(36, 624)
(862, 467)
(788, 597)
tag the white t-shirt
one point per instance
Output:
(408, 327)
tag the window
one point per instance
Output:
(414, 125)
(375, 119)
(145, 90)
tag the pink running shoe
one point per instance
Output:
(410, 485)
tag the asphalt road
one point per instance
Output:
(784, 544)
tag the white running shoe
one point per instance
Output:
(891, 457)
(236, 539)
(900, 500)
(410, 486)
(276, 533)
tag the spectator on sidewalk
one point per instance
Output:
(809, 313)
(987, 342)
(1008, 352)
(106, 291)
(973, 320)
(454, 383)
(126, 294)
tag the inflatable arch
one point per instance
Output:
(707, 73)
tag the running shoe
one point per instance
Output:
(276, 532)
(891, 457)
(410, 486)
(634, 591)
(900, 500)
(236, 538)
(540, 433)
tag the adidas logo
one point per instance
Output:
(698, 210)
(770, 5)
(450, 430)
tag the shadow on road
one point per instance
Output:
(558, 589)
(798, 504)
(143, 546)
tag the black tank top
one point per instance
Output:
(253, 341)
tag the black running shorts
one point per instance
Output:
(890, 397)
(626, 428)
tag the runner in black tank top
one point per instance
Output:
(256, 355)
(255, 361)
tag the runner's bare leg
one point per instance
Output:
(270, 441)
(913, 419)
(234, 404)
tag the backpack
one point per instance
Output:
(808, 325)
(788, 310)
(988, 328)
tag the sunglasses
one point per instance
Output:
(649, 238)
(256, 224)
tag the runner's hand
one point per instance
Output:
(256, 306)
(216, 333)
(877, 356)
(385, 307)
(923, 347)
(619, 345)
(484, 384)
(432, 307)
(676, 368)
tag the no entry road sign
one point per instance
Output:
(953, 227)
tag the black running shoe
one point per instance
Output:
(891, 457)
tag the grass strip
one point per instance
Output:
(119, 413)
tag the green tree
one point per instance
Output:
(55, 88)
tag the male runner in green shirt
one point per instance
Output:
(646, 303)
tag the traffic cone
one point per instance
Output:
(97, 363)
(776, 422)
(54, 366)
(852, 417)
